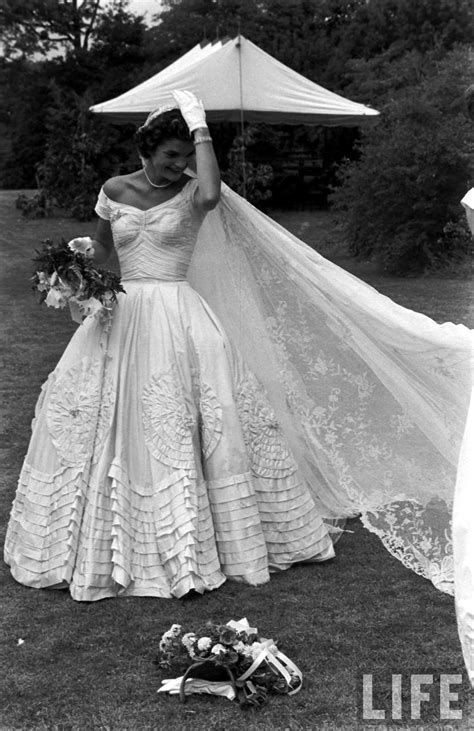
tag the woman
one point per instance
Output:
(207, 431)
(151, 470)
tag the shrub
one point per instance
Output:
(400, 198)
(36, 206)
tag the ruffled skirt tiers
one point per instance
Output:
(156, 465)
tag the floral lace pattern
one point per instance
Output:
(429, 551)
(349, 441)
(375, 390)
(171, 416)
(80, 410)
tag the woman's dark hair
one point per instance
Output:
(168, 125)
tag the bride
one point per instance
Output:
(248, 395)
(156, 466)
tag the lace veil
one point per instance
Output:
(372, 397)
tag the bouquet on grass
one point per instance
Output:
(230, 660)
(66, 275)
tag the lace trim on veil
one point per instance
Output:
(371, 397)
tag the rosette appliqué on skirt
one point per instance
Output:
(156, 464)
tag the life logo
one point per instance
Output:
(425, 696)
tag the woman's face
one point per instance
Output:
(169, 160)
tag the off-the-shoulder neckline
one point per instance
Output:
(152, 208)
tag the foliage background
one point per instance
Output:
(396, 183)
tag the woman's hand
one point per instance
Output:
(82, 245)
(209, 182)
(191, 108)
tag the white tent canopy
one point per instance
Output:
(237, 81)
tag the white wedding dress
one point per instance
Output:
(247, 395)
(156, 464)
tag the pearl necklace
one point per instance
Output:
(154, 185)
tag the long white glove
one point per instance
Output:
(83, 245)
(191, 108)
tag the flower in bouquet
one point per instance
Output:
(66, 274)
(204, 644)
(234, 653)
(82, 245)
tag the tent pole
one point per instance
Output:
(242, 127)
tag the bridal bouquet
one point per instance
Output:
(68, 276)
(231, 660)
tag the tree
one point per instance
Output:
(80, 153)
(81, 150)
(26, 98)
(43, 26)
(32, 91)
(400, 199)
(392, 28)
(113, 61)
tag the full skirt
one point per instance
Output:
(156, 464)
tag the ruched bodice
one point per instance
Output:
(157, 243)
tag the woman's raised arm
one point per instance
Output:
(208, 174)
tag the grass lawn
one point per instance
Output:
(89, 665)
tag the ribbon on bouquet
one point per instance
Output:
(186, 685)
(242, 686)
(280, 662)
